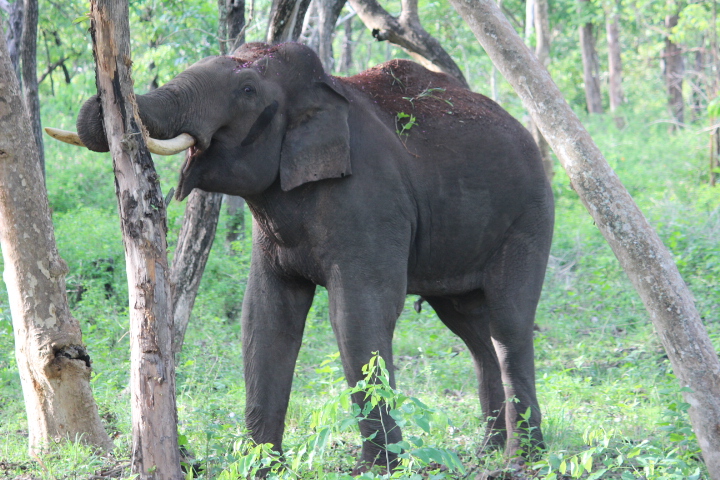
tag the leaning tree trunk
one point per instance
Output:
(647, 262)
(155, 452)
(591, 66)
(407, 32)
(674, 71)
(53, 363)
(537, 19)
(286, 20)
(29, 74)
(612, 29)
(193, 249)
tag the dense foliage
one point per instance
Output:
(612, 408)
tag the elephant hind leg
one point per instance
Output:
(474, 329)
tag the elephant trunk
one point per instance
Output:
(160, 111)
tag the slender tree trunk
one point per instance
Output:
(155, 451)
(29, 74)
(647, 262)
(698, 84)
(541, 24)
(14, 33)
(53, 363)
(346, 58)
(407, 32)
(591, 67)
(319, 29)
(193, 249)
(286, 20)
(617, 98)
(235, 22)
(674, 72)
(236, 220)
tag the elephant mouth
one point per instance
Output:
(188, 181)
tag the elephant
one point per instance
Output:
(394, 181)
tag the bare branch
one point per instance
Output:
(407, 33)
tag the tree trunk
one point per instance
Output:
(698, 84)
(591, 67)
(407, 32)
(235, 22)
(236, 220)
(193, 249)
(644, 258)
(674, 71)
(612, 29)
(319, 29)
(286, 20)
(53, 363)
(346, 57)
(155, 452)
(29, 74)
(14, 33)
(539, 19)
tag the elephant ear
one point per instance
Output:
(317, 141)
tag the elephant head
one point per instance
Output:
(262, 113)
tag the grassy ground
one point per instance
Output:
(612, 407)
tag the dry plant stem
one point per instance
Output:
(407, 32)
(647, 262)
(155, 453)
(194, 243)
(53, 363)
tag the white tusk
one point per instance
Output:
(64, 136)
(158, 147)
(172, 146)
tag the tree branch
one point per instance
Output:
(407, 32)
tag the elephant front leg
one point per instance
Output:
(273, 319)
(363, 320)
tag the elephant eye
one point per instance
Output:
(248, 90)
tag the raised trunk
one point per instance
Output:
(52, 361)
(674, 72)
(29, 75)
(648, 264)
(591, 67)
(155, 451)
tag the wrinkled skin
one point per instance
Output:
(456, 209)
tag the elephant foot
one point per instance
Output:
(526, 446)
(494, 440)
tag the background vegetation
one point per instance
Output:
(612, 408)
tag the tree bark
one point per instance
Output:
(346, 57)
(407, 32)
(29, 74)
(286, 20)
(539, 19)
(193, 249)
(319, 29)
(14, 33)
(52, 361)
(155, 452)
(591, 67)
(674, 71)
(617, 98)
(647, 262)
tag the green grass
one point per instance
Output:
(609, 398)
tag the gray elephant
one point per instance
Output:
(394, 181)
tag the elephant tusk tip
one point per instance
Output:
(172, 146)
(64, 136)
